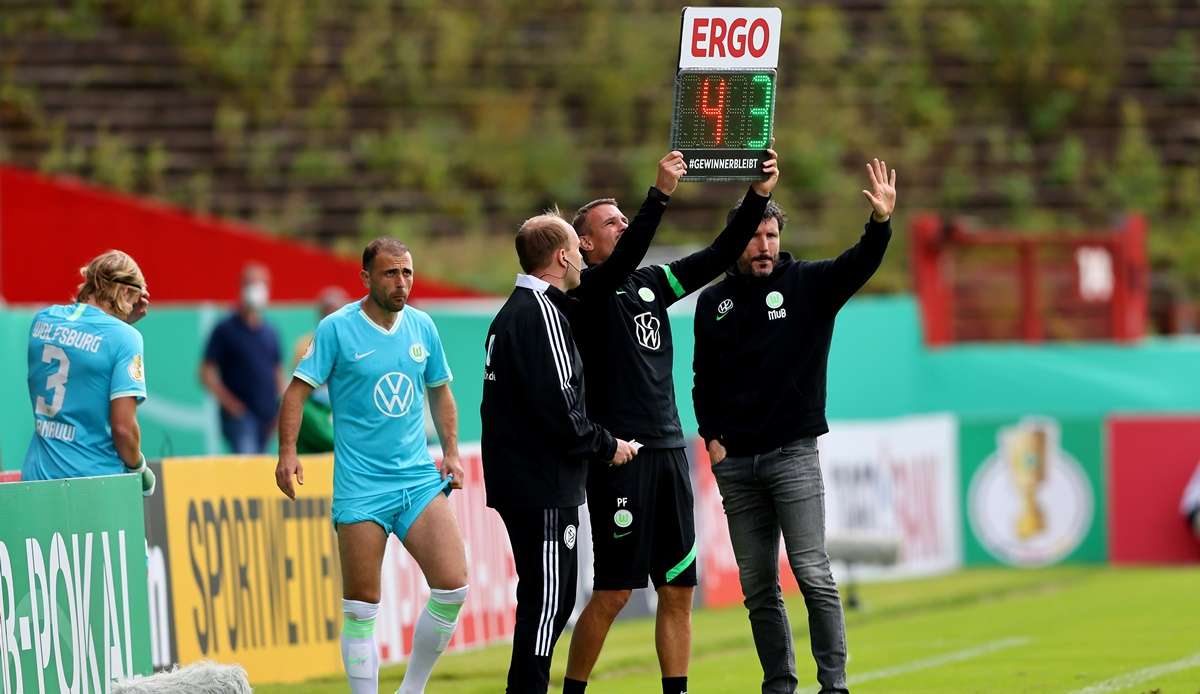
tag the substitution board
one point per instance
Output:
(724, 112)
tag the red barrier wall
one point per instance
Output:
(50, 227)
(1150, 461)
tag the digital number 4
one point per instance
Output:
(716, 112)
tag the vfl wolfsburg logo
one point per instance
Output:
(623, 518)
(417, 352)
(774, 300)
(646, 293)
(394, 394)
(648, 334)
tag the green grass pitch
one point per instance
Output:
(1074, 630)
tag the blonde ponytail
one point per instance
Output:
(113, 281)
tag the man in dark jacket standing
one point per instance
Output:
(642, 514)
(537, 437)
(762, 351)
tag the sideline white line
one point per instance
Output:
(1138, 676)
(939, 660)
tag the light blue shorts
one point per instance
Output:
(394, 512)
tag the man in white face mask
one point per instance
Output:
(241, 367)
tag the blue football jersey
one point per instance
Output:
(377, 380)
(80, 358)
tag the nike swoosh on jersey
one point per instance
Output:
(364, 355)
(722, 315)
(617, 536)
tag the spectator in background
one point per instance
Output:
(316, 420)
(241, 367)
(1190, 504)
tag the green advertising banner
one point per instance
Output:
(1033, 490)
(73, 603)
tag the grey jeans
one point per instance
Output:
(781, 492)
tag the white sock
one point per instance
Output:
(435, 626)
(360, 656)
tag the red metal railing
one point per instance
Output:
(1000, 285)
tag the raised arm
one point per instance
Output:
(693, 272)
(603, 279)
(846, 274)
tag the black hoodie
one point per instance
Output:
(762, 346)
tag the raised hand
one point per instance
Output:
(670, 169)
(883, 190)
(771, 168)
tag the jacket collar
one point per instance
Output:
(531, 282)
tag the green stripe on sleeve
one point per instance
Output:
(675, 285)
(682, 566)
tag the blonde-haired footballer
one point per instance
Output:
(87, 377)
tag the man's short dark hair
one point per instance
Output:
(773, 211)
(579, 221)
(539, 237)
(383, 244)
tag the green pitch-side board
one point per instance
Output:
(1033, 490)
(73, 599)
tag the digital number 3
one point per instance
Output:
(763, 112)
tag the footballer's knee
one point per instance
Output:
(449, 580)
(609, 602)
(361, 593)
(675, 599)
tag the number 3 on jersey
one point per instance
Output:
(56, 382)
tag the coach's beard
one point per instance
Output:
(761, 265)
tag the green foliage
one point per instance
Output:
(1041, 60)
(154, 166)
(60, 156)
(1137, 181)
(319, 165)
(1175, 67)
(113, 161)
(1067, 169)
(451, 120)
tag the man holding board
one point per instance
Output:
(725, 91)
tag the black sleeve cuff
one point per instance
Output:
(878, 225)
(657, 195)
(610, 450)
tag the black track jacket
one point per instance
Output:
(762, 346)
(537, 437)
(625, 333)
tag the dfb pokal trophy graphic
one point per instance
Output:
(1025, 449)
